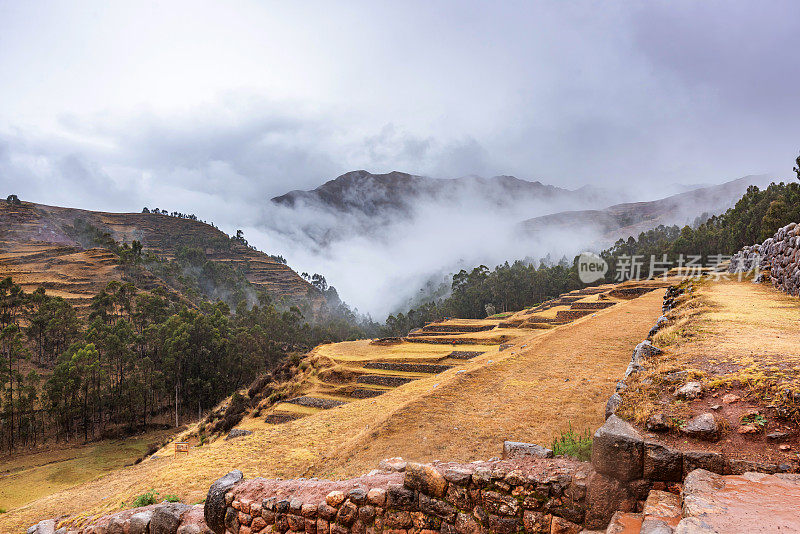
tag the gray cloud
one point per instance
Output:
(216, 111)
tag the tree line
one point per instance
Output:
(755, 217)
(480, 292)
(134, 358)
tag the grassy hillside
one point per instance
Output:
(463, 413)
(66, 251)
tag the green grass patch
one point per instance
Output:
(501, 315)
(145, 499)
(569, 443)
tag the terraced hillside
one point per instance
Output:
(47, 246)
(370, 400)
(369, 368)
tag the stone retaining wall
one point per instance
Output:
(571, 315)
(778, 259)
(522, 494)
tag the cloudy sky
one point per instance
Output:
(212, 107)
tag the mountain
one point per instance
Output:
(632, 218)
(376, 194)
(362, 203)
(71, 253)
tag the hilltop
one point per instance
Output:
(70, 252)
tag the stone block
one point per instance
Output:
(398, 497)
(167, 517)
(710, 461)
(662, 463)
(516, 449)
(466, 524)
(604, 496)
(377, 496)
(140, 522)
(536, 522)
(215, 506)
(618, 450)
(499, 504)
(425, 479)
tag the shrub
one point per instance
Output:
(568, 443)
(237, 405)
(171, 498)
(145, 499)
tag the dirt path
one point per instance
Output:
(560, 377)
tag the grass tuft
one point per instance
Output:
(574, 445)
(145, 499)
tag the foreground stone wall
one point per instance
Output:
(778, 259)
(535, 495)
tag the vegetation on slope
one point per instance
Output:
(138, 358)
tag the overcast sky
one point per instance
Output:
(214, 107)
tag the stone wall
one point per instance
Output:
(777, 258)
(524, 493)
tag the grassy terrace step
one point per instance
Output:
(591, 305)
(316, 402)
(456, 328)
(464, 354)
(366, 393)
(384, 380)
(539, 319)
(277, 418)
(571, 315)
(420, 333)
(409, 367)
(453, 341)
(590, 291)
(630, 292)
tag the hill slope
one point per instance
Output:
(635, 217)
(463, 413)
(57, 248)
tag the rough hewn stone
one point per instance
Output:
(425, 478)
(377, 496)
(399, 497)
(140, 522)
(214, 509)
(662, 463)
(335, 498)
(617, 450)
(703, 426)
(516, 449)
(167, 518)
(605, 495)
(710, 461)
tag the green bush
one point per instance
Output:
(574, 445)
(145, 499)
(171, 498)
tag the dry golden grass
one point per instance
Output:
(28, 476)
(729, 333)
(561, 376)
